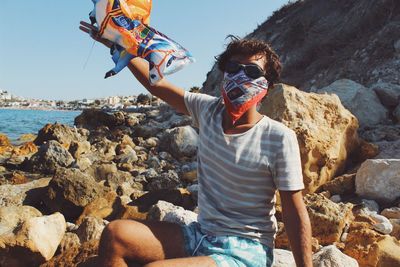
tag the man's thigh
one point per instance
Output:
(144, 241)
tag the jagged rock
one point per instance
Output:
(126, 155)
(61, 133)
(368, 206)
(379, 133)
(150, 129)
(389, 150)
(381, 223)
(391, 213)
(34, 242)
(11, 217)
(26, 149)
(70, 191)
(326, 131)
(24, 194)
(82, 164)
(79, 148)
(396, 113)
(354, 96)
(180, 141)
(4, 141)
(396, 228)
(168, 180)
(152, 142)
(283, 258)
(90, 229)
(388, 93)
(18, 178)
(189, 172)
(328, 219)
(165, 211)
(51, 156)
(344, 184)
(131, 120)
(27, 138)
(92, 118)
(69, 241)
(105, 149)
(331, 256)
(179, 197)
(76, 255)
(379, 179)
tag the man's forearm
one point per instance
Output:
(298, 229)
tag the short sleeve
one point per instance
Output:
(196, 104)
(287, 168)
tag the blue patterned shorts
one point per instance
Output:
(226, 251)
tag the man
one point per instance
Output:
(243, 158)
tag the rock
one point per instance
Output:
(79, 148)
(90, 229)
(283, 258)
(336, 198)
(78, 255)
(70, 191)
(178, 197)
(18, 178)
(26, 149)
(328, 219)
(69, 241)
(369, 206)
(354, 96)
(379, 133)
(152, 142)
(389, 150)
(180, 142)
(388, 94)
(391, 213)
(150, 129)
(165, 211)
(82, 164)
(396, 46)
(168, 180)
(326, 131)
(92, 118)
(127, 155)
(34, 242)
(131, 212)
(344, 184)
(24, 194)
(131, 120)
(388, 252)
(27, 138)
(396, 228)
(379, 179)
(61, 133)
(396, 113)
(382, 224)
(189, 172)
(4, 141)
(11, 217)
(49, 158)
(330, 256)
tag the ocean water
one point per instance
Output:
(14, 123)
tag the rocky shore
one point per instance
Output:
(59, 189)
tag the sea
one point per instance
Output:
(15, 123)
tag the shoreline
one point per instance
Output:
(39, 109)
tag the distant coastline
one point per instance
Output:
(41, 109)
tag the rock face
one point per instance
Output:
(92, 118)
(49, 158)
(328, 219)
(34, 242)
(180, 141)
(379, 179)
(70, 191)
(354, 96)
(326, 131)
(317, 52)
(330, 256)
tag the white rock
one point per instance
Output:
(331, 256)
(354, 96)
(11, 217)
(90, 229)
(181, 216)
(382, 225)
(165, 211)
(379, 179)
(283, 258)
(336, 198)
(391, 213)
(369, 206)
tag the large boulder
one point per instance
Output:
(11, 217)
(61, 133)
(180, 141)
(93, 118)
(328, 219)
(32, 243)
(70, 191)
(283, 258)
(23, 194)
(165, 211)
(51, 156)
(354, 97)
(326, 131)
(379, 179)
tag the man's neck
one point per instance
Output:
(245, 122)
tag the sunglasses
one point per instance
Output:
(252, 70)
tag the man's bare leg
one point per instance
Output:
(133, 243)
(185, 262)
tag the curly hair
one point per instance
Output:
(252, 47)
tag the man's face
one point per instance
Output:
(260, 60)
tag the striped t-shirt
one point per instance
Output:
(238, 174)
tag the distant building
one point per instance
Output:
(113, 100)
(4, 95)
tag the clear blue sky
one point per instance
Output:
(42, 51)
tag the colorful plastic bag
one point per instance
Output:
(125, 23)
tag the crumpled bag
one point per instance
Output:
(125, 23)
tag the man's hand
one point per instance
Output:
(298, 226)
(166, 91)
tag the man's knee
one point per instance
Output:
(113, 236)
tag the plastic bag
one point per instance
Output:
(125, 23)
